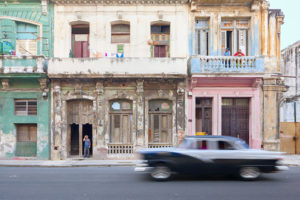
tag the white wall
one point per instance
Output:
(140, 18)
(113, 67)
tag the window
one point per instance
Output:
(120, 122)
(160, 122)
(160, 35)
(201, 32)
(234, 35)
(25, 107)
(80, 41)
(120, 33)
(26, 140)
(26, 42)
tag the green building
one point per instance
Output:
(26, 40)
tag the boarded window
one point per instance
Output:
(201, 32)
(26, 41)
(120, 33)
(26, 107)
(160, 122)
(121, 122)
(26, 140)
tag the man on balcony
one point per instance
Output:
(227, 53)
(239, 53)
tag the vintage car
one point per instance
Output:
(209, 155)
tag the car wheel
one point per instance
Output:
(161, 173)
(249, 173)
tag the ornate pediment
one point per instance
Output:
(120, 2)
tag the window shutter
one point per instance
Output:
(203, 42)
(242, 40)
(223, 41)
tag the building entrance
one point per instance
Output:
(80, 118)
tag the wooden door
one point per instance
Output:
(235, 118)
(160, 51)
(204, 115)
(290, 137)
(80, 45)
(26, 144)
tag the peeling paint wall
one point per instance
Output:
(8, 121)
(101, 92)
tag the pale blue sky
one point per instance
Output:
(290, 31)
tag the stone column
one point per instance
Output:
(265, 28)
(272, 92)
(101, 151)
(56, 123)
(140, 138)
(180, 114)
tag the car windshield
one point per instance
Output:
(242, 144)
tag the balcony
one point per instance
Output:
(226, 64)
(24, 64)
(117, 67)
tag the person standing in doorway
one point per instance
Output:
(87, 146)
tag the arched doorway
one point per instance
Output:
(80, 119)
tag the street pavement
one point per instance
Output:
(118, 183)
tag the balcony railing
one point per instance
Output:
(23, 64)
(226, 64)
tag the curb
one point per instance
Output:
(71, 165)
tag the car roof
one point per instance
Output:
(213, 137)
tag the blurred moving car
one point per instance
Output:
(209, 155)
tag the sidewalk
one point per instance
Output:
(67, 163)
(290, 160)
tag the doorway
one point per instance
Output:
(80, 41)
(204, 115)
(87, 129)
(74, 139)
(235, 118)
(77, 138)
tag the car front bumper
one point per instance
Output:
(282, 168)
(142, 167)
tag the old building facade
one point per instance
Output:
(25, 42)
(290, 105)
(136, 74)
(232, 94)
(119, 76)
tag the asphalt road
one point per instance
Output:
(105, 183)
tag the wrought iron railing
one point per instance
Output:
(120, 149)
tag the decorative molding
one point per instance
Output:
(124, 2)
(43, 83)
(5, 83)
(139, 86)
(44, 7)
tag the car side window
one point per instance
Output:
(202, 144)
(223, 145)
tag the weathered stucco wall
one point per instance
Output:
(100, 92)
(8, 121)
(140, 17)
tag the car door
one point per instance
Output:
(198, 158)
